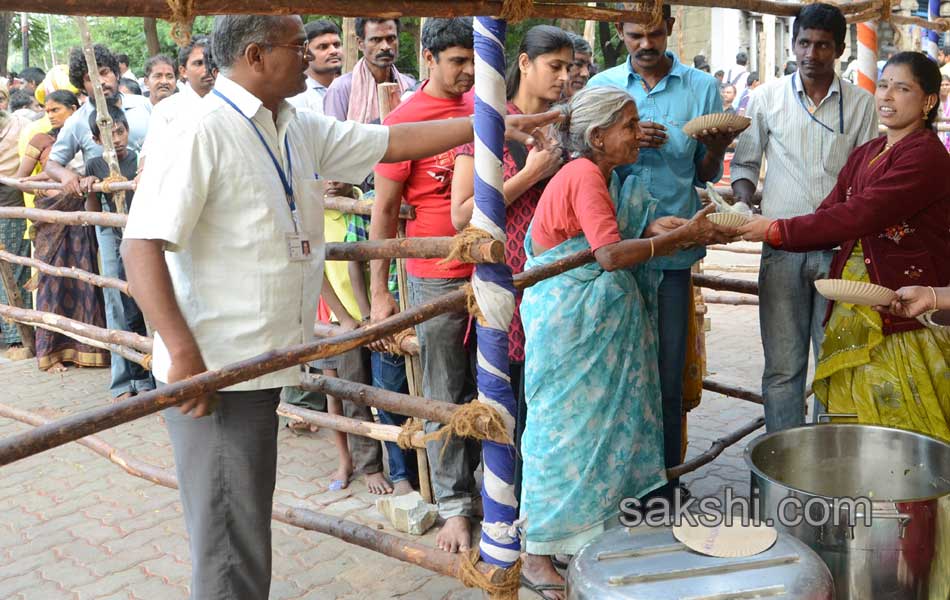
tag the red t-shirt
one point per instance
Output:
(427, 183)
(576, 200)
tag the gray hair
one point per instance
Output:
(590, 108)
(232, 35)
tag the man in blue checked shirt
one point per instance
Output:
(671, 165)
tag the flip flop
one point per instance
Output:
(336, 485)
(560, 565)
(540, 588)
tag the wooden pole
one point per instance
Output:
(12, 290)
(731, 299)
(733, 268)
(367, 395)
(103, 119)
(423, 66)
(387, 94)
(715, 450)
(92, 421)
(127, 353)
(482, 251)
(33, 186)
(70, 272)
(399, 548)
(732, 391)
(368, 429)
(67, 326)
(725, 284)
(63, 218)
(735, 249)
(362, 207)
(409, 345)
(350, 44)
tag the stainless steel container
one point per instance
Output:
(649, 564)
(873, 502)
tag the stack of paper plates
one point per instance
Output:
(720, 121)
(855, 292)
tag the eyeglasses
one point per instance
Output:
(302, 49)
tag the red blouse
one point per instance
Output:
(518, 217)
(898, 207)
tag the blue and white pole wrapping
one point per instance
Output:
(501, 540)
(930, 43)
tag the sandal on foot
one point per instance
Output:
(540, 588)
(560, 564)
(336, 485)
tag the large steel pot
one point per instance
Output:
(650, 564)
(873, 502)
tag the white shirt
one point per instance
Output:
(217, 201)
(804, 145)
(164, 114)
(311, 98)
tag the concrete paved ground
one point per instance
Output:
(75, 526)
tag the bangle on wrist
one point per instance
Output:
(934, 292)
(773, 235)
(652, 249)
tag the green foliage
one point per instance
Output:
(38, 38)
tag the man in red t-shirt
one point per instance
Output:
(448, 367)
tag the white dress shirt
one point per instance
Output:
(164, 114)
(312, 98)
(217, 201)
(805, 145)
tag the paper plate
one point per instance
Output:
(728, 219)
(722, 121)
(854, 292)
(726, 542)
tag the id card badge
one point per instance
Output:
(298, 247)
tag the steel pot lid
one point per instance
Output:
(650, 564)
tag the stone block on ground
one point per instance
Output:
(408, 513)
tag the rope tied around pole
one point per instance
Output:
(109, 181)
(471, 304)
(395, 346)
(475, 420)
(464, 241)
(182, 19)
(470, 576)
(515, 11)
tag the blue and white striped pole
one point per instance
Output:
(501, 541)
(933, 11)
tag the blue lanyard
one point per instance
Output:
(813, 117)
(284, 179)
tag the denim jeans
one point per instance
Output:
(448, 374)
(674, 317)
(791, 313)
(389, 373)
(121, 314)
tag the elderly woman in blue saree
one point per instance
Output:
(594, 429)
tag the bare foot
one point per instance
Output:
(539, 570)
(340, 480)
(57, 367)
(455, 535)
(19, 353)
(121, 397)
(401, 488)
(378, 484)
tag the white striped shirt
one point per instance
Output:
(804, 146)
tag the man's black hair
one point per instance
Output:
(361, 22)
(20, 98)
(160, 59)
(77, 64)
(824, 17)
(123, 59)
(117, 114)
(131, 85)
(752, 78)
(442, 34)
(202, 41)
(790, 67)
(742, 59)
(321, 27)
(34, 75)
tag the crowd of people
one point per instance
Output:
(241, 135)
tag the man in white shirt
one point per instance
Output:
(196, 66)
(124, 71)
(805, 125)
(738, 74)
(224, 247)
(326, 47)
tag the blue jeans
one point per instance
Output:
(674, 326)
(121, 314)
(791, 313)
(389, 373)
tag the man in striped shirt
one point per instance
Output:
(806, 124)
